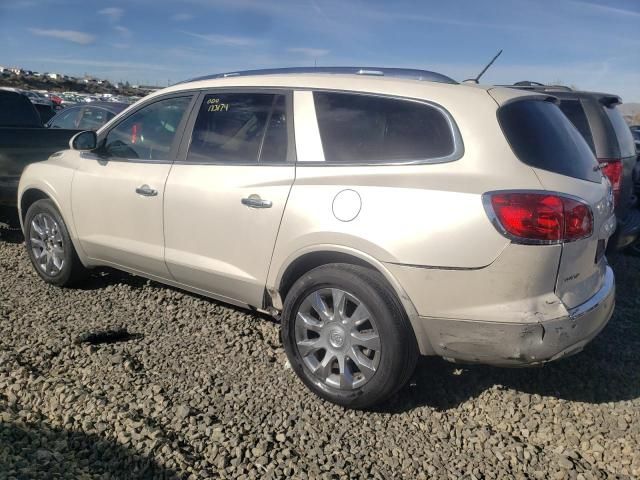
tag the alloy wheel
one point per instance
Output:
(47, 245)
(337, 338)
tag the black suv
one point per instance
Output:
(603, 127)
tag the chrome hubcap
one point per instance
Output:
(46, 244)
(337, 338)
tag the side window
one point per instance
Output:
(239, 128)
(93, 118)
(149, 133)
(66, 119)
(367, 129)
(575, 112)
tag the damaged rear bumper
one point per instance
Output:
(520, 344)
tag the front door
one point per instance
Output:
(225, 197)
(118, 191)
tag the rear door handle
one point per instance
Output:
(146, 191)
(254, 201)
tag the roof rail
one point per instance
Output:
(408, 73)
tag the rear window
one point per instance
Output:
(625, 138)
(575, 112)
(368, 129)
(542, 137)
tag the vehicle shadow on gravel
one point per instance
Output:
(10, 225)
(605, 371)
(28, 451)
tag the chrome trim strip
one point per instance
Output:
(607, 289)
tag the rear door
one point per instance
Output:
(543, 138)
(225, 197)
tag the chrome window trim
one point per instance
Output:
(106, 129)
(200, 95)
(458, 144)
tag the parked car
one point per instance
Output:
(70, 98)
(43, 106)
(81, 117)
(37, 97)
(600, 122)
(635, 131)
(379, 213)
(23, 140)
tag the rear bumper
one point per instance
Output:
(9, 190)
(519, 344)
(628, 231)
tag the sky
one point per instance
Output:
(590, 44)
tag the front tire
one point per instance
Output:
(347, 336)
(49, 246)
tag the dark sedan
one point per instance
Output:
(86, 117)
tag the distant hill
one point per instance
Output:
(630, 108)
(631, 112)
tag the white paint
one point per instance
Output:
(308, 142)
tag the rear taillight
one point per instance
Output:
(538, 217)
(612, 169)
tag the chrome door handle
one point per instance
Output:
(146, 191)
(254, 201)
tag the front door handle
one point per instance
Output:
(146, 191)
(254, 201)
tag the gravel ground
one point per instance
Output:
(201, 390)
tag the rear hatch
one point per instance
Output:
(542, 137)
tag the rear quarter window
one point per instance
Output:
(574, 111)
(366, 129)
(542, 137)
(620, 127)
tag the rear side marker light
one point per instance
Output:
(539, 217)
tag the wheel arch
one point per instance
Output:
(31, 194)
(307, 259)
(28, 198)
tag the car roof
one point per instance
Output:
(407, 83)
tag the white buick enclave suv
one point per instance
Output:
(379, 213)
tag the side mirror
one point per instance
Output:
(83, 141)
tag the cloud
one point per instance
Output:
(309, 52)
(69, 35)
(607, 9)
(124, 31)
(181, 17)
(226, 40)
(114, 13)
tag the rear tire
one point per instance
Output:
(347, 336)
(49, 246)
